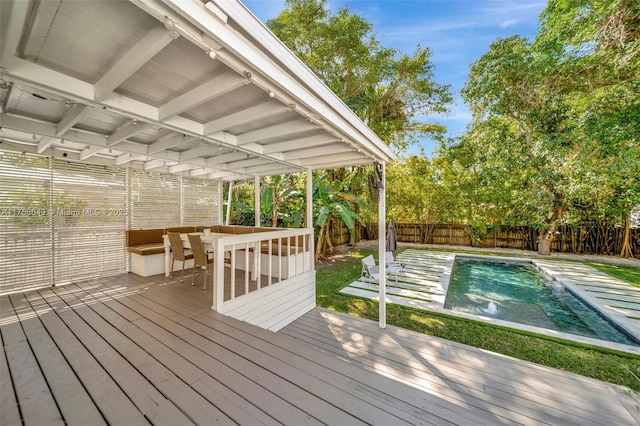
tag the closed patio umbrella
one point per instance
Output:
(392, 239)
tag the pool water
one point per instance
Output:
(517, 292)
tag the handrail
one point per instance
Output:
(290, 262)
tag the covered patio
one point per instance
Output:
(126, 115)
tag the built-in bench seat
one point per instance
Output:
(147, 251)
(147, 246)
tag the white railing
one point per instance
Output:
(268, 259)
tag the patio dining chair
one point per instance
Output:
(178, 252)
(201, 258)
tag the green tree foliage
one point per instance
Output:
(523, 128)
(389, 90)
(333, 201)
(417, 192)
(555, 124)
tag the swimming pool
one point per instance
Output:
(517, 292)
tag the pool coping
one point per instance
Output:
(619, 320)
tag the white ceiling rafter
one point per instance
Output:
(321, 151)
(168, 142)
(343, 158)
(74, 115)
(224, 158)
(276, 131)
(264, 168)
(226, 176)
(181, 167)
(302, 143)
(152, 43)
(258, 112)
(45, 143)
(224, 138)
(123, 159)
(196, 152)
(154, 164)
(126, 132)
(212, 89)
(89, 151)
(200, 172)
(247, 162)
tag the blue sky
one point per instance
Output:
(457, 31)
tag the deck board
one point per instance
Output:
(37, 404)
(507, 387)
(9, 412)
(136, 350)
(67, 390)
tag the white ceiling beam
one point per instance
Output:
(45, 143)
(343, 158)
(154, 164)
(253, 147)
(123, 159)
(301, 143)
(182, 167)
(279, 171)
(321, 151)
(44, 78)
(126, 132)
(277, 131)
(74, 115)
(224, 138)
(41, 26)
(258, 112)
(145, 49)
(246, 163)
(199, 151)
(168, 143)
(339, 164)
(13, 15)
(226, 176)
(271, 169)
(201, 171)
(225, 158)
(212, 89)
(89, 151)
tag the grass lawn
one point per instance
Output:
(602, 364)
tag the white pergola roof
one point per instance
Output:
(181, 86)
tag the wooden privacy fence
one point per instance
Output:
(587, 239)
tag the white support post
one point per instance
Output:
(226, 222)
(220, 202)
(309, 219)
(256, 203)
(382, 284)
(256, 251)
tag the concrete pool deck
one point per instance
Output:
(423, 285)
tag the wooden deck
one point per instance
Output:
(128, 350)
(487, 383)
